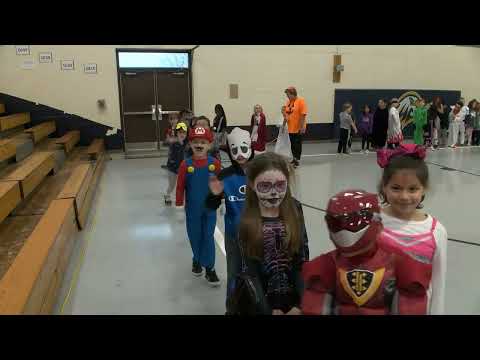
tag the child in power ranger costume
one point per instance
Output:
(192, 182)
(359, 277)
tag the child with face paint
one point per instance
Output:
(273, 235)
(231, 185)
(192, 183)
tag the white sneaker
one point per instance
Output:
(366, 151)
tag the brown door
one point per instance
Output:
(138, 107)
(173, 95)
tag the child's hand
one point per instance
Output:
(216, 186)
(172, 139)
(277, 312)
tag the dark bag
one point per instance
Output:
(245, 299)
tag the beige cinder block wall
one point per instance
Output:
(261, 72)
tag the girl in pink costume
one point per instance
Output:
(407, 229)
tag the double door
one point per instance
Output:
(148, 97)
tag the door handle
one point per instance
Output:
(154, 110)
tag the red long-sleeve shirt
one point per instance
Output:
(182, 172)
(259, 145)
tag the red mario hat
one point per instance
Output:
(200, 133)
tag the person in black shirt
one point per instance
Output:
(220, 128)
(380, 125)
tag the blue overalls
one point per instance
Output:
(234, 188)
(200, 220)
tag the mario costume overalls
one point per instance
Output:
(193, 181)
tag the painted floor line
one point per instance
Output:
(220, 240)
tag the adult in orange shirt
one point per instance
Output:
(295, 114)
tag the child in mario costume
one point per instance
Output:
(192, 183)
(360, 277)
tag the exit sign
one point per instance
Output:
(90, 68)
(67, 65)
(22, 49)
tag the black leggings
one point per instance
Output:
(366, 139)
(343, 141)
(476, 137)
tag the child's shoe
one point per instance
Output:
(212, 278)
(197, 269)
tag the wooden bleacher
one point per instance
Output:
(41, 131)
(2, 108)
(10, 197)
(96, 148)
(31, 283)
(69, 140)
(7, 149)
(14, 121)
(37, 239)
(32, 171)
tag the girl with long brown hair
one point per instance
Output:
(273, 235)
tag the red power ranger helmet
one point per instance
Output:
(353, 220)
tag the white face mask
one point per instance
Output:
(271, 188)
(240, 144)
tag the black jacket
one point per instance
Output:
(176, 155)
(255, 268)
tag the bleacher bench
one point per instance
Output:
(41, 131)
(14, 121)
(7, 149)
(69, 140)
(10, 197)
(32, 171)
(76, 188)
(32, 282)
(96, 148)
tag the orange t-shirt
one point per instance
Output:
(295, 108)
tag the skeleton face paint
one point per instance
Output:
(240, 145)
(271, 188)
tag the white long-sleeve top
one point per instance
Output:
(394, 125)
(462, 114)
(436, 290)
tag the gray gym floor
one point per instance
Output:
(134, 256)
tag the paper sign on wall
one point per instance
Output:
(27, 64)
(67, 65)
(45, 57)
(90, 68)
(22, 49)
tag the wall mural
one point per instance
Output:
(407, 98)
